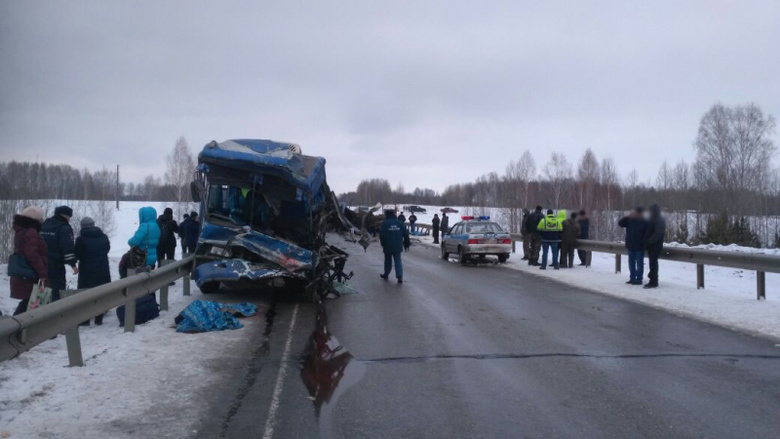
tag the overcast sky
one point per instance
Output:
(425, 93)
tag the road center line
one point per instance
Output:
(271, 418)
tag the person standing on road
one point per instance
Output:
(435, 226)
(394, 238)
(412, 222)
(584, 223)
(636, 227)
(166, 249)
(92, 247)
(58, 235)
(534, 235)
(550, 229)
(445, 224)
(189, 233)
(147, 237)
(570, 231)
(29, 244)
(524, 236)
(401, 217)
(654, 243)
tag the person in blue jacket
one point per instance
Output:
(92, 247)
(394, 237)
(636, 227)
(147, 237)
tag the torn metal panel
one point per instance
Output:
(234, 270)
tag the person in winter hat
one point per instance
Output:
(569, 233)
(550, 228)
(524, 233)
(29, 244)
(92, 247)
(166, 248)
(58, 235)
(584, 223)
(435, 226)
(147, 237)
(412, 221)
(445, 224)
(654, 243)
(534, 235)
(394, 237)
(636, 227)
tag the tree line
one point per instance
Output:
(732, 177)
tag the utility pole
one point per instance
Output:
(117, 187)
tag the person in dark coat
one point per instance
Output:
(524, 235)
(636, 227)
(584, 223)
(569, 234)
(190, 232)
(401, 217)
(185, 220)
(92, 247)
(445, 224)
(435, 226)
(124, 265)
(412, 221)
(394, 237)
(166, 249)
(654, 243)
(534, 235)
(58, 234)
(29, 244)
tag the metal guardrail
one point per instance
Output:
(23, 332)
(759, 263)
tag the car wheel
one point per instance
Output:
(462, 256)
(444, 254)
(209, 287)
(503, 258)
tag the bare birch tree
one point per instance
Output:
(179, 174)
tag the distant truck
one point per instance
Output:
(266, 208)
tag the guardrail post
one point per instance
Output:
(588, 258)
(186, 283)
(164, 289)
(761, 285)
(513, 246)
(130, 316)
(699, 276)
(73, 343)
(617, 263)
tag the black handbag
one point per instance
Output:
(19, 268)
(137, 257)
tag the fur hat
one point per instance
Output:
(33, 212)
(63, 210)
(87, 222)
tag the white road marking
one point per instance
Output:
(271, 418)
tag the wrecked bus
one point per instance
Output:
(266, 209)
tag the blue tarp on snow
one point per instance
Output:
(205, 316)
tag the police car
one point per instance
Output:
(476, 237)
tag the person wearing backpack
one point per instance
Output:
(92, 247)
(29, 245)
(147, 237)
(58, 235)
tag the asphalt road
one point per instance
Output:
(485, 351)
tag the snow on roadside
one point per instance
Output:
(127, 376)
(729, 299)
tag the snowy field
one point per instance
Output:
(127, 377)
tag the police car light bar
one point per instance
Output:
(483, 218)
(467, 218)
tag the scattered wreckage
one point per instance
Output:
(266, 209)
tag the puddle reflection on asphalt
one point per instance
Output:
(327, 371)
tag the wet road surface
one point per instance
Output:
(484, 351)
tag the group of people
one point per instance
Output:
(558, 234)
(439, 225)
(412, 220)
(48, 247)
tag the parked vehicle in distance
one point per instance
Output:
(448, 210)
(266, 208)
(476, 238)
(415, 209)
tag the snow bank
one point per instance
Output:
(127, 377)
